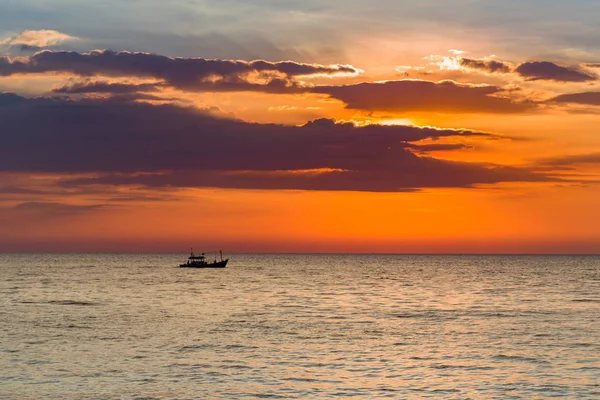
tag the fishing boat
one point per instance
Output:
(200, 261)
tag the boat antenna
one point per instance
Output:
(191, 251)
(221, 252)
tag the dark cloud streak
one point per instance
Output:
(570, 160)
(416, 173)
(106, 87)
(417, 95)
(492, 66)
(587, 98)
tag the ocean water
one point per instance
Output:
(134, 326)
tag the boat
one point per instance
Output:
(195, 261)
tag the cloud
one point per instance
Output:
(588, 98)
(284, 77)
(182, 73)
(427, 148)
(33, 40)
(106, 87)
(491, 66)
(410, 174)
(115, 129)
(24, 214)
(166, 145)
(417, 95)
(531, 71)
(570, 160)
(46, 208)
(11, 99)
(544, 70)
(229, 84)
(18, 190)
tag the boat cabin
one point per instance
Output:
(196, 260)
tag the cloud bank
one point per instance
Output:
(182, 73)
(129, 143)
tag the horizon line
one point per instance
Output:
(305, 253)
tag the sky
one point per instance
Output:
(463, 126)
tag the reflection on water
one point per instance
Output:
(298, 326)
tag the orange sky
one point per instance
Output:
(120, 162)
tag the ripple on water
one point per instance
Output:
(504, 357)
(72, 303)
(196, 347)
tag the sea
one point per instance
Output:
(135, 326)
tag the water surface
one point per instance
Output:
(133, 326)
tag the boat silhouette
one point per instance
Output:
(195, 261)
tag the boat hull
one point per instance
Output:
(218, 264)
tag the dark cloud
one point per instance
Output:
(486, 65)
(229, 84)
(570, 160)
(9, 67)
(11, 99)
(410, 173)
(28, 47)
(427, 148)
(182, 73)
(106, 87)
(544, 70)
(25, 216)
(52, 208)
(588, 98)
(81, 136)
(274, 86)
(533, 70)
(19, 190)
(165, 145)
(417, 95)
(34, 212)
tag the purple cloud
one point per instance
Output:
(568, 161)
(106, 87)
(417, 95)
(486, 65)
(533, 70)
(544, 70)
(411, 174)
(427, 148)
(182, 73)
(588, 98)
(166, 145)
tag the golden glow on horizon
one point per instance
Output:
(299, 221)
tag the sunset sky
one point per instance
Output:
(462, 126)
